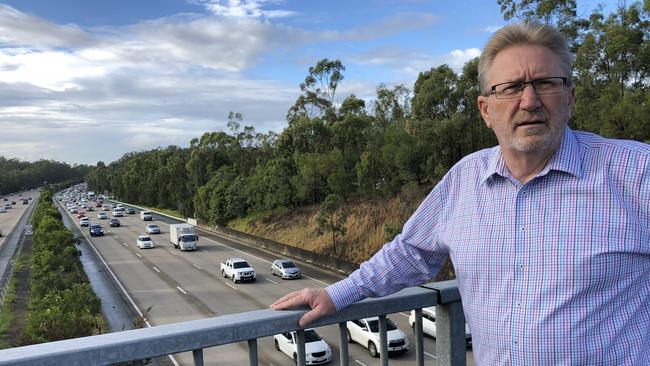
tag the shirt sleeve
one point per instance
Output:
(411, 259)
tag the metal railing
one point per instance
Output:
(141, 344)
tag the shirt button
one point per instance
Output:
(522, 228)
(521, 266)
(518, 304)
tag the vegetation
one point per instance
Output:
(61, 304)
(18, 175)
(370, 152)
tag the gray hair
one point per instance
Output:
(531, 33)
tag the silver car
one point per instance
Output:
(152, 229)
(285, 268)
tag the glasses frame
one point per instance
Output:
(493, 90)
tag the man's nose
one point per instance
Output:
(529, 99)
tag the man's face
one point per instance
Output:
(530, 123)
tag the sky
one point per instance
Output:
(83, 81)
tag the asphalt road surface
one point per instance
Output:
(178, 286)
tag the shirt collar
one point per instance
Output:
(566, 159)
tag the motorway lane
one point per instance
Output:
(188, 285)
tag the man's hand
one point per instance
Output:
(318, 300)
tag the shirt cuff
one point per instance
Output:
(344, 293)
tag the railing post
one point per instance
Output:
(300, 335)
(343, 343)
(197, 354)
(450, 324)
(252, 352)
(419, 338)
(383, 339)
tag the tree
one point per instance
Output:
(319, 89)
(331, 219)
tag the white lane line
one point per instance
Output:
(230, 285)
(196, 265)
(181, 290)
(125, 244)
(270, 280)
(360, 363)
(155, 269)
(138, 254)
(172, 252)
(430, 355)
(204, 250)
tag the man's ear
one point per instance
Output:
(483, 108)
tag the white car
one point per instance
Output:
(117, 213)
(84, 221)
(152, 229)
(285, 269)
(144, 241)
(366, 333)
(3, 210)
(429, 323)
(102, 216)
(317, 351)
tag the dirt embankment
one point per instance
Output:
(369, 224)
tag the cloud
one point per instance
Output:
(244, 8)
(492, 28)
(20, 29)
(398, 23)
(412, 62)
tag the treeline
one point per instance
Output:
(16, 175)
(369, 150)
(62, 304)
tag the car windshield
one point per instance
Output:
(311, 336)
(189, 238)
(288, 265)
(242, 264)
(96, 226)
(153, 226)
(145, 238)
(374, 325)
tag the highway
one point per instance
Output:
(178, 286)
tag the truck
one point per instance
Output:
(183, 236)
(238, 270)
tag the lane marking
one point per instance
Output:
(360, 363)
(126, 245)
(270, 280)
(196, 265)
(174, 253)
(138, 254)
(204, 250)
(181, 290)
(231, 285)
(430, 355)
(155, 269)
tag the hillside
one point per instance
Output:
(369, 224)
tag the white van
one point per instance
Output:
(146, 215)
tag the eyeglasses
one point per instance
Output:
(515, 89)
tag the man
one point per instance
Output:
(549, 232)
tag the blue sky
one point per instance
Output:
(89, 80)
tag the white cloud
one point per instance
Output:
(244, 8)
(492, 28)
(17, 28)
(412, 62)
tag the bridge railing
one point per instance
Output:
(137, 345)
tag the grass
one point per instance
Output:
(7, 316)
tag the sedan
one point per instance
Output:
(130, 211)
(366, 333)
(152, 229)
(317, 352)
(285, 269)
(429, 323)
(144, 241)
(114, 222)
(96, 230)
(102, 216)
(84, 221)
(81, 214)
